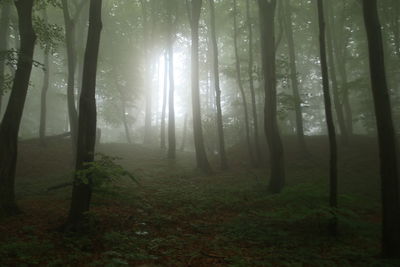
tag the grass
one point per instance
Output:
(177, 217)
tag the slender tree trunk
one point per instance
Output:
(171, 108)
(147, 75)
(71, 58)
(164, 104)
(251, 82)
(184, 135)
(335, 90)
(124, 117)
(340, 42)
(43, 96)
(240, 84)
(12, 118)
(386, 135)
(125, 121)
(267, 16)
(4, 36)
(329, 118)
(293, 76)
(201, 156)
(82, 191)
(220, 127)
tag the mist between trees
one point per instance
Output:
(225, 85)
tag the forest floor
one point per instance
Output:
(178, 217)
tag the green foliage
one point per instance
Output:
(49, 35)
(103, 171)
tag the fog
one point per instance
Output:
(166, 113)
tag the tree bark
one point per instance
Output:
(43, 95)
(240, 85)
(329, 118)
(171, 108)
(251, 83)
(147, 80)
(335, 90)
(267, 16)
(340, 42)
(70, 34)
(201, 156)
(4, 36)
(220, 127)
(164, 104)
(12, 118)
(81, 192)
(386, 134)
(293, 76)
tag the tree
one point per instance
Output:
(201, 156)
(220, 127)
(267, 16)
(293, 75)
(171, 108)
(82, 190)
(386, 135)
(335, 89)
(43, 96)
(4, 32)
(164, 103)
(147, 72)
(240, 84)
(329, 117)
(12, 118)
(70, 38)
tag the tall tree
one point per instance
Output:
(220, 127)
(70, 38)
(335, 89)
(267, 16)
(171, 103)
(386, 135)
(147, 73)
(340, 40)
(12, 118)
(240, 83)
(201, 156)
(82, 190)
(329, 116)
(164, 102)
(45, 87)
(251, 83)
(4, 32)
(293, 75)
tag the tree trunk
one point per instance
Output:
(220, 127)
(240, 84)
(182, 148)
(340, 42)
(12, 118)
(293, 76)
(251, 82)
(201, 156)
(171, 108)
(4, 36)
(43, 96)
(71, 59)
(267, 16)
(147, 73)
(386, 134)
(329, 118)
(82, 191)
(125, 121)
(335, 90)
(164, 104)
